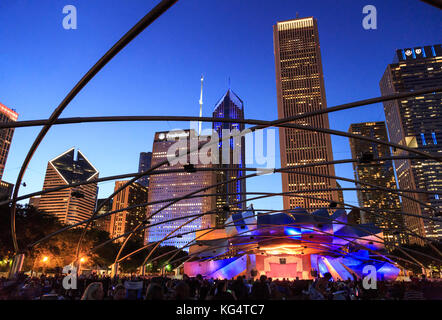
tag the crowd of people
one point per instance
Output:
(101, 287)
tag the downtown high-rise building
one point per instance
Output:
(74, 204)
(127, 219)
(144, 165)
(231, 194)
(300, 89)
(416, 122)
(6, 115)
(170, 186)
(384, 208)
(105, 222)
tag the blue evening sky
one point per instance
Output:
(159, 72)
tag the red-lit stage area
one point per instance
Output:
(289, 246)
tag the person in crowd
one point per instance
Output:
(260, 289)
(154, 292)
(119, 293)
(94, 291)
(222, 293)
(182, 291)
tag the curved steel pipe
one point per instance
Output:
(74, 120)
(156, 12)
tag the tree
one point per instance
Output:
(32, 225)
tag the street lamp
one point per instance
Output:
(45, 260)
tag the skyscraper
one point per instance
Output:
(417, 123)
(6, 189)
(174, 185)
(104, 223)
(380, 173)
(300, 89)
(144, 165)
(74, 204)
(6, 115)
(126, 220)
(34, 201)
(230, 106)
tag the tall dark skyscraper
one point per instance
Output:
(6, 115)
(144, 164)
(417, 123)
(380, 173)
(230, 106)
(103, 223)
(300, 89)
(70, 205)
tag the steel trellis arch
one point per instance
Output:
(149, 18)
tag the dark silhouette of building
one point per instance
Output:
(144, 165)
(379, 173)
(300, 89)
(6, 189)
(230, 106)
(416, 122)
(74, 204)
(105, 222)
(6, 115)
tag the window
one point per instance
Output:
(433, 135)
(423, 139)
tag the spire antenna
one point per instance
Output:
(201, 105)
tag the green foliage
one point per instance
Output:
(32, 225)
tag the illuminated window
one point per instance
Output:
(423, 139)
(433, 135)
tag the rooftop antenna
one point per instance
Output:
(201, 105)
(229, 83)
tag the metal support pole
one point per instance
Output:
(114, 270)
(17, 264)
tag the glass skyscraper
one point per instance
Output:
(417, 123)
(144, 165)
(380, 173)
(230, 106)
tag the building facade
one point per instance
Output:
(6, 115)
(230, 106)
(70, 205)
(103, 223)
(34, 201)
(174, 185)
(300, 89)
(389, 216)
(144, 165)
(417, 123)
(6, 189)
(126, 220)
